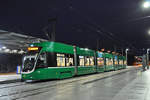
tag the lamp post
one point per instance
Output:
(127, 56)
(148, 58)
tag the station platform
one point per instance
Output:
(126, 84)
(9, 77)
(13, 77)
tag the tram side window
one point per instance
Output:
(69, 60)
(125, 62)
(109, 61)
(87, 61)
(116, 62)
(91, 61)
(120, 62)
(81, 60)
(100, 61)
(60, 59)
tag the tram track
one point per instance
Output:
(38, 82)
(45, 88)
(37, 90)
(88, 82)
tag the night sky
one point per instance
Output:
(114, 23)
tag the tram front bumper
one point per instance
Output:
(33, 76)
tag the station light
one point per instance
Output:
(102, 49)
(7, 50)
(14, 51)
(146, 4)
(113, 52)
(108, 51)
(3, 47)
(149, 32)
(21, 52)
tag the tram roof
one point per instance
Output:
(63, 48)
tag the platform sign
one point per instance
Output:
(18, 70)
(100, 55)
(116, 57)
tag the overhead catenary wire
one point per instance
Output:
(98, 29)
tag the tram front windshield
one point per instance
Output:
(29, 61)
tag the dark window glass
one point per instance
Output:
(51, 59)
(41, 61)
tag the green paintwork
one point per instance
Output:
(85, 52)
(115, 66)
(100, 69)
(120, 58)
(55, 47)
(124, 58)
(50, 73)
(86, 70)
(102, 55)
(109, 68)
(67, 72)
(108, 55)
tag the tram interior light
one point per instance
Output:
(103, 49)
(86, 49)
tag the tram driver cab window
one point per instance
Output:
(41, 62)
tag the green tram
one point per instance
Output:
(53, 60)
